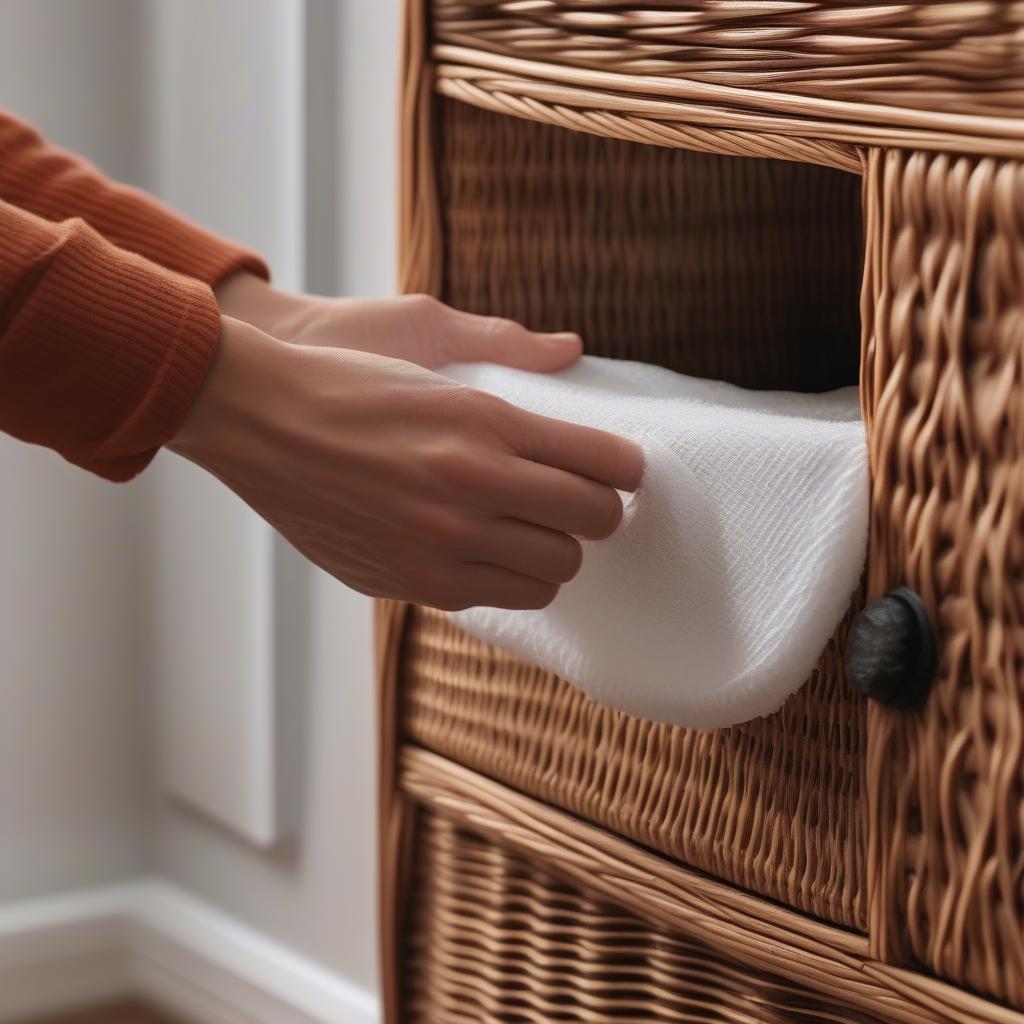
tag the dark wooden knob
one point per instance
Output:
(890, 652)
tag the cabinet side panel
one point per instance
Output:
(941, 387)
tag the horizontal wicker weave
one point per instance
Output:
(570, 163)
(741, 270)
(964, 57)
(773, 805)
(945, 76)
(495, 937)
(467, 947)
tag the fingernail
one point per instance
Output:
(566, 338)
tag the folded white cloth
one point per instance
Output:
(735, 560)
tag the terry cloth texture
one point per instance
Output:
(736, 559)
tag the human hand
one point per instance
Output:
(416, 328)
(402, 483)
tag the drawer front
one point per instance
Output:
(515, 911)
(494, 937)
(773, 806)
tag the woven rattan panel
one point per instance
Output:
(945, 416)
(742, 270)
(773, 805)
(497, 938)
(966, 58)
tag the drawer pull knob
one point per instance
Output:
(890, 653)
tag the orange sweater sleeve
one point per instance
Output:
(101, 350)
(56, 185)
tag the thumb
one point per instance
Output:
(469, 338)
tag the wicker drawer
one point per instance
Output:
(552, 951)
(774, 806)
(517, 913)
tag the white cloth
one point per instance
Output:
(736, 558)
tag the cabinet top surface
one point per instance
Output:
(945, 76)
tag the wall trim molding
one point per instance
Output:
(154, 940)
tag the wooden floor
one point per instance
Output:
(122, 1013)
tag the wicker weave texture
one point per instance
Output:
(741, 270)
(927, 855)
(773, 806)
(495, 937)
(830, 965)
(966, 58)
(942, 371)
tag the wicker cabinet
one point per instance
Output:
(787, 195)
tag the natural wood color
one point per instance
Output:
(739, 270)
(497, 937)
(740, 928)
(394, 811)
(965, 58)
(941, 388)
(761, 805)
(924, 75)
(470, 87)
(721, 107)
(926, 854)
(419, 233)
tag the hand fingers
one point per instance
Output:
(586, 451)
(524, 548)
(519, 489)
(492, 586)
(466, 337)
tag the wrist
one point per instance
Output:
(247, 297)
(223, 412)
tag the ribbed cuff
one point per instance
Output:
(104, 352)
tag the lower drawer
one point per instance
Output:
(516, 912)
(773, 806)
(497, 937)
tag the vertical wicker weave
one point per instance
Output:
(572, 163)
(943, 364)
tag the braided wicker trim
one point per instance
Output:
(732, 923)
(651, 132)
(714, 106)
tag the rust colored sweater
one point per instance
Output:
(107, 319)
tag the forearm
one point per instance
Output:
(101, 351)
(57, 185)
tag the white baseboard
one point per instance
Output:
(155, 941)
(62, 952)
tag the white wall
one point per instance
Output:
(316, 893)
(226, 132)
(72, 780)
(176, 94)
